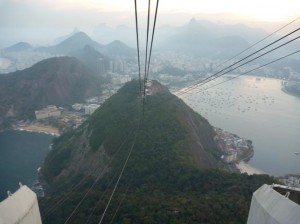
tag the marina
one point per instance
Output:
(255, 109)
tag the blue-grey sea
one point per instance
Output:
(253, 108)
(256, 109)
(21, 153)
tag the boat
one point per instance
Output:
(296, 153)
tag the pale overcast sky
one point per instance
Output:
(252, 9)
(53, 17)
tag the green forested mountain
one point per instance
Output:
(90, 57)
(58, 81)
(172, 175)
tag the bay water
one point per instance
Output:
(256, 109)
(253, 108)
(21, 153)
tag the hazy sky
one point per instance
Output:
(47, 18)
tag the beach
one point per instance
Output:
(39, 128)
(248, 169)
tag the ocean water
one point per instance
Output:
(21, 153)
(256, 109)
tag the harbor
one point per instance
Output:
(258, 110)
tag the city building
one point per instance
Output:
(49, 111)
(120, 79)
(78, 106)
(90, 109)
(118, 66)
(101, 66)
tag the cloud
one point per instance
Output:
(102, 5)
(19, 18)
(255, 9)
(31, 20)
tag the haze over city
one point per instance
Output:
(99, 126)
(40, 21)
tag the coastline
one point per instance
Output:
(244, 167)
(38, 128)
(289, 93)
(241, 163)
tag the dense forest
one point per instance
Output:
(60, 81)
(181, 196)
(172, 176)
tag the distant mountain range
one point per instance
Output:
(21, 46)
(205, 39)
(107, 34)
(90, 57)
(73, 43)
(118, 48)
(200, 37)
(80, 45)
(58, 81)
(178, 38)
(64, 37)
(197, 37)
(168, 178)
(88, 51)
(80, 40)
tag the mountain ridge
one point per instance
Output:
(21, 46)
(205, 38)
(166, 33)
(171, 173)
(79, 40)
(59, 81)
(118, 48)
(90, 57)
(64, 37)
(112, 120)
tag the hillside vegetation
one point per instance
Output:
(58, 81)
(172, 175)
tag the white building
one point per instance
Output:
(120, 79)
(20, 208)
(101, 66)
(77, 106)
(275, 204)
(119, 66)
(49, 111)
(90, 109)
(41, 114)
